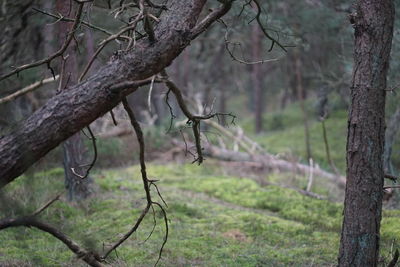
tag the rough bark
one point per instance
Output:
(373, 24)
(71, 110)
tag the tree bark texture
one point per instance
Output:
(373, 24)
(72, 109)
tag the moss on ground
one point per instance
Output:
(215, 220)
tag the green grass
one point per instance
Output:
(215, 220)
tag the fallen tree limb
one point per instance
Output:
(72, 109)
(266, 160)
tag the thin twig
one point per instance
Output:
(28, 89)
(48, 204)
(60, 17)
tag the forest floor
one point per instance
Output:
(220, 213)
(215, 219)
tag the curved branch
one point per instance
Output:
(89, 257)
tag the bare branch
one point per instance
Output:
(139, 136)
(60, 17)
(48, 204)
(89, 257)
(28, 89)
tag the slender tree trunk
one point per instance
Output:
(257, 79)
(300, 97)
(373, 24)
(73, 148)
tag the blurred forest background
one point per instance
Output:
(292, 107)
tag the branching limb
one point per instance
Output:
(146, 184)
(131, 27)
(193, 120)
(273, 40)
(235, 44)
(89, 257)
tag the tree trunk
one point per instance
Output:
(72, 109)
(300, 98)
(257, 79)
(73, 148)
(373, 24)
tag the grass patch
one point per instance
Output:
(215, 220)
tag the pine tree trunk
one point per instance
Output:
(373, 24)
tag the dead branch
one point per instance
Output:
(104, 43)
(89, 257)
(267, 160)
(60, 17)
(193, 120)
(146, 185)
(28, 89)
(273, 40)
(48, 204)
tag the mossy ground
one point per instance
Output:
(218, 216)
(215, 220)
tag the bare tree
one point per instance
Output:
(373, 25)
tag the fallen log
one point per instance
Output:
(267, 160)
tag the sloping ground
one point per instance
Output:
(215, 220)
